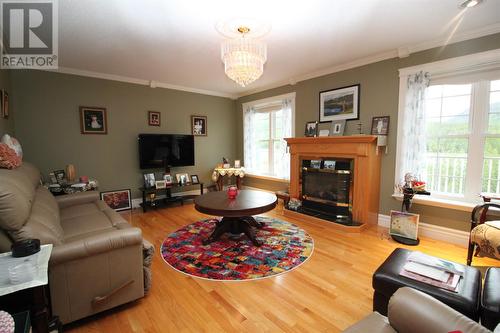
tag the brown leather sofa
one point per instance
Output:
(412, 311)
(97, 259)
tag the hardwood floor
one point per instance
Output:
(329, 292)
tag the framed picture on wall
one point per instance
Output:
(199, 125)
(154, 118)
(339, 104)
(93, 120)
(117, 200)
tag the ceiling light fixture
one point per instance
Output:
(470, 3)
(243, 57)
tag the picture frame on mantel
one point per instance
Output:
(380, 125)
(339, 104)
(311, 129)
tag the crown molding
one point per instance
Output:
(402, 52)
(326, 71)
(472, 34)
(152, 84)
(487, 60)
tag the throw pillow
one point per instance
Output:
(13, 143)
(8, 157)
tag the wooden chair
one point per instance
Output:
(484, 239)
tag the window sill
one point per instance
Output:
(274, 179)
(438, 202)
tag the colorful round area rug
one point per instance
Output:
(285, 247)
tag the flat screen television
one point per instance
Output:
(165, 150)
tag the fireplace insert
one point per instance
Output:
(327, 189)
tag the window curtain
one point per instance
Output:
(281, 157)
(249, 148)
(414, 145)
(283, 165)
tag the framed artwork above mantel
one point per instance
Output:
(339, 104)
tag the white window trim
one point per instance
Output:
(478, 62)
(260, 102)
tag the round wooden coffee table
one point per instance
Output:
(236, 213)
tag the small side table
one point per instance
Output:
(32, 296)
(219, 174)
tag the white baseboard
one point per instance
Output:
(136, 202)
(449, 235)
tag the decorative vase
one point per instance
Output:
(232, 192)
(70, 173)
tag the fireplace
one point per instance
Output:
(337, 179)
(327, 189)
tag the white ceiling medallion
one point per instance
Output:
(242, 51)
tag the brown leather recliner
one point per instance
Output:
(412, 311)
(97, 259)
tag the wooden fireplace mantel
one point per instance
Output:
(362, 149)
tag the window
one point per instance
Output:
(447, 131)
(265, 124)
(460, 113)
(463, 139)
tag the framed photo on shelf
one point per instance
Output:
(194, 179)
(404, 224)
(154, 118)
(149, 180)
(237, 164)
(199, 125)
(159, 184)
(325, 132)
(52, 178)
(338, 127)
(311, 129)
(380, 125)
(339, 104)
(93, 120)
(168, 179)
(117, 200)
(182, 178)
(60, 175)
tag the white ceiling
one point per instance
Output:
(175, 41)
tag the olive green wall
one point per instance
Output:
(47, 124)
(379, 97)
(6, 125)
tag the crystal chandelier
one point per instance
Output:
(243, 57)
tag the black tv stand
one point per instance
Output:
(168, 199)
